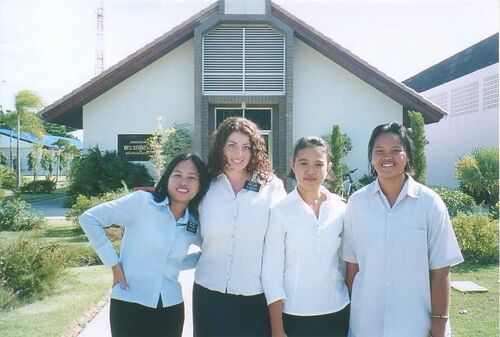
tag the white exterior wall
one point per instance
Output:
(325, 94)
(163, 89)
(24, 150)
(245, 7)
(472, 122)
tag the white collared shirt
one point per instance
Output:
(233, 229)
(395, 248)
(301, 261)
(153, 248)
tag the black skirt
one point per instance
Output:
(224, 315)
(136, 320)
(330, 325)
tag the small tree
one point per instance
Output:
(340, 145)
(419, 141)
(478, 175)
(166, 144)
(34, 157)
(47, 162)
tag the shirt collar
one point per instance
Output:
(166, 202)
(323, 189)
(410, 187)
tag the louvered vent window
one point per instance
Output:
(243, 60)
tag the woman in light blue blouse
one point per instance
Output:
(146, 299)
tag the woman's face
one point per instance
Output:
(310, 167)
(389, 156)
(184, 182)
(237, 152)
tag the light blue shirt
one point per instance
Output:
(153, 250)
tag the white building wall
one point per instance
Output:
(247, 7)
(325, 94)
(163, 89)
(24, 150)
(472, 104)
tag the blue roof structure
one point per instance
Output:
(478, 56)
(47, 141)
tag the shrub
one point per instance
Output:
(29, 269)
(84, 203)
(17, 215)
(7, 178)
(366, 179)
(80, 255)
(96, 173)
(419, 141)
(7, 298)
(478, 175)
(164, 145)
(477, 237)
(456, 201)
(340, 144)
(39, 186)
(494, 212)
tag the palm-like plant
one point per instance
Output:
(478, 175)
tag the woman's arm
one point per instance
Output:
(440, 300)
(276, 317)
(351, 270)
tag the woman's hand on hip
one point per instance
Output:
(119, 276)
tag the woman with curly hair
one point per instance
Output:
(228, 297)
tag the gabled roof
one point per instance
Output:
(47, 140)
(478, 56)
(68, 110)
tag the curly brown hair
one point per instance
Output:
(259, 160)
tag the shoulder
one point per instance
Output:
(430, 197)
(360, 194)
(288, 201)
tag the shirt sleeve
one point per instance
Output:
(347, 249)
(94, 220)
(443, 247)
(190, 261)
(273, 265)
(277, 192)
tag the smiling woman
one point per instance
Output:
(228, 298)
(399, 244)
(146, 299)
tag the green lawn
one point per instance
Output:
(475, 314)
(76, 293)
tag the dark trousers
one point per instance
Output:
(135, 320)
(224, 315)
(330, 325)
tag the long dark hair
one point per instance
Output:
(259, 160)
(161, 189)
(404, 137)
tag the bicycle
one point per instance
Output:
(348, 186)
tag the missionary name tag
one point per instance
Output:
(192, 226)
(252, 186)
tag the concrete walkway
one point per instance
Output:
(50, 207)
(99, 325)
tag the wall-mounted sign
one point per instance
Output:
(134, 147)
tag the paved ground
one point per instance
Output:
(52, 207)
(99, 326)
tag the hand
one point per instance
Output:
(119, 276)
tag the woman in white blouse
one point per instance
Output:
(228, 298)
(146, 299)
(302, 275)
(399, 245)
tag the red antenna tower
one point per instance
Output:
(99, 49)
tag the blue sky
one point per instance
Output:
(48, 46)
